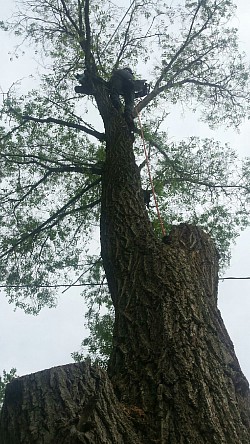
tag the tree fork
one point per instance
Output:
(172, 356)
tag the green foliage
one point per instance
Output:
(51, 157)
(203, 183)
(4, 380)
(99, 341)
(99, 317)
(48, 186)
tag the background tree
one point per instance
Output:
(172, 364)
(4, 380)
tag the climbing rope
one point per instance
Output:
(150, 177)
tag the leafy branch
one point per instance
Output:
(54, 219)
(190, 37)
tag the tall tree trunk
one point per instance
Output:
(174, 375)
(172, 356)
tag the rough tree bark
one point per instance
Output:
(172, 356)
(173, 376)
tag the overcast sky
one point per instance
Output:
(34, 343)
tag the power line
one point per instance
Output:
(232, 277)
(50, 285)
(99, 284)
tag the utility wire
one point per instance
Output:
(232, 277)
(92, 285)
(49, 286)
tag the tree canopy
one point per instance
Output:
(71, 163)
(52, 145)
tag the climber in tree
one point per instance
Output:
(122, 84)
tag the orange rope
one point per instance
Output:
(150, 178)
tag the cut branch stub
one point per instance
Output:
(71, 404)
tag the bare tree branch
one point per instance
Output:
(80, 17)
(124, 44)
(170, 84)
(190, 37)
(184, 177)
(96, 134)
(211, 185)
(12, 131)
(89, 59)
(61, 167)
(67, 13)
(32, 188)
(53, 220)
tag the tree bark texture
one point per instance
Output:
(172, 356)
(71, 404)
(173, 377)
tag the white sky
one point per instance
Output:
(33, 343)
